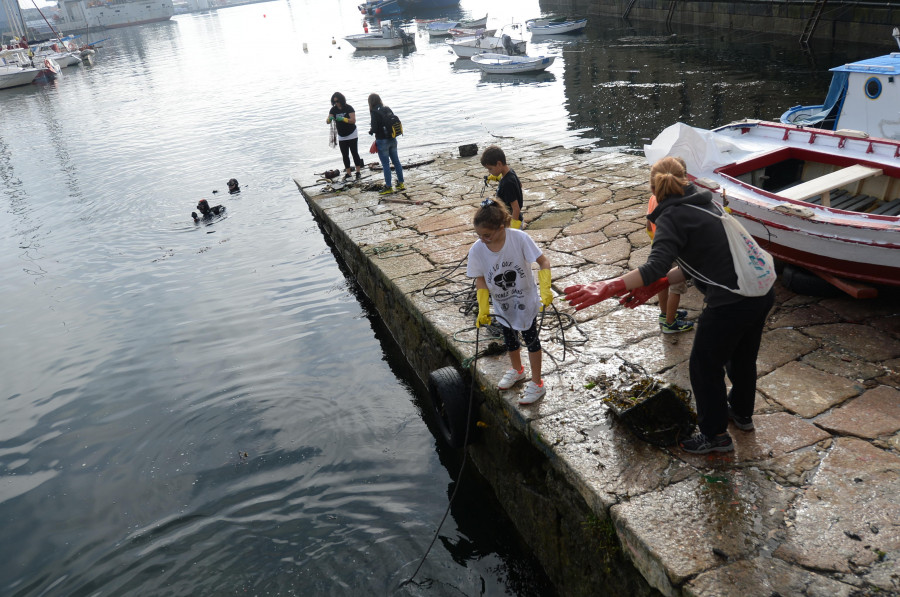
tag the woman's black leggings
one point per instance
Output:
(348, 147)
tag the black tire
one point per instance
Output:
(801, 281)
(450, 404)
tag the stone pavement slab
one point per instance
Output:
(807, 391)
(875, 413)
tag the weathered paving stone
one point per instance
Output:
(621, 228)
(782, 346)
(764, 576)
(793, 468)
(862, 340)
(875, 413)
(589, 225)
(803, 316)
(607, 253)
(842, 365)
(806, 391)
(691, 527)
(575, 242)
(775, 434)
(846, 520)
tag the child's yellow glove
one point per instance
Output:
(484, 307)
(544, 285)
(494, 177)
(517, 224)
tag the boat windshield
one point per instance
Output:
(831, 106)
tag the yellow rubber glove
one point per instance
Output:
(544, 285)
(494, 177)
(517, 224)
(484, 307)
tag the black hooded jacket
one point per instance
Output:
(687, 234)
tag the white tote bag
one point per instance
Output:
(754, 267)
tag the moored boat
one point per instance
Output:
(386, 8)
(390, 36)
(550, 27)
(446, 28)
(503, 64)
(12, 72)
(863, 95)
(466, 47)
(827, 201)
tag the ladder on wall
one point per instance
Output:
(669, 16)
(628, 8)
(812, 21)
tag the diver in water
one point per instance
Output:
(207, 212)
(233, 186)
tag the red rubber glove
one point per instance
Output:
(585, 295)
(641, 295)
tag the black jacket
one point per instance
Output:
(378, 126)
(687, 234)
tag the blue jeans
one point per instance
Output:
(387, 153)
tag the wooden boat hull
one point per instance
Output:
(862, 246)
(501, 64)
(466, 47)
(554, 28)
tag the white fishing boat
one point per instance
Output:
(12, 71)
(444, 28)
(58, 51)
(466, 47)
(550, 27)
(503, 64)
(827, 201)
(456, 32)
(863, 95)
(389, 37)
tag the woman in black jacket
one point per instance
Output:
(386, 145)
(730, 327)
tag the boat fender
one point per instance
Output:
(802, 281)
(48, 64)
(450, 405)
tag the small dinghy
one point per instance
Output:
(501, 64)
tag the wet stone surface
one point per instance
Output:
(806, 504)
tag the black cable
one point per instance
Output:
(461, 468)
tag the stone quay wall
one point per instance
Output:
(806, 505)
(843, 21)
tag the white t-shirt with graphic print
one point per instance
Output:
(509, 277)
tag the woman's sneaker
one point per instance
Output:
(679, 314)
(742, 423)
(679, 325)
(700, 444)
(533, 393)
(511, 378)
(387, 191)
(400, 186)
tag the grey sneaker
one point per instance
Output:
(742, 423)
(700, 444)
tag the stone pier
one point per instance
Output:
(806, 505)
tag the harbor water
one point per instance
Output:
(213, 408)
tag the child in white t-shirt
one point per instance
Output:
(500, 261)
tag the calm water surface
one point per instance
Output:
(214, 410)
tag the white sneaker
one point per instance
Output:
(511, 378)
(533, 393)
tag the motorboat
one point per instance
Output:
(503, 64)
(12, 72)
(445, 28)
(64, 55)
(457, 32)
(390, 36)
(76, 16)
(386, 8)
(826, 201)
(551, 27)
(466, 47)
(48, 70)
(864, 96)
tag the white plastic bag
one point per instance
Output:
(754, 267)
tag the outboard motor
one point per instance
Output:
(508, 44)
(407, 39)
